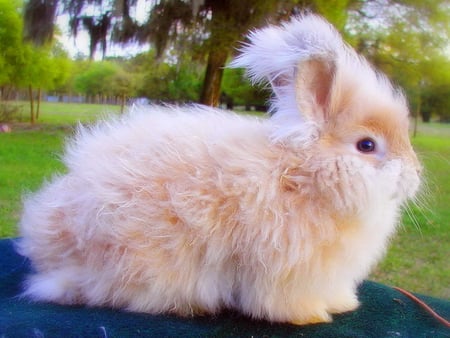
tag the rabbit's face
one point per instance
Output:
(365, 154)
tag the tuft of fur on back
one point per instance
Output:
(189, 210)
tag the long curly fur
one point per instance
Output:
(190, 210)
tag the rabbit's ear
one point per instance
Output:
(298, 60)
(313, 87)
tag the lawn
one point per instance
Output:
(418, 256)
(63, 113)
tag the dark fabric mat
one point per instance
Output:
(384, 313)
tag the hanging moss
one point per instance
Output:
(39, 20)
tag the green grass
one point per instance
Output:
(63, 113)
(26, 157)
(30, 154)
(418, 255)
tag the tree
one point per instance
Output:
(236, 90)
(11, 56)
(166, 81)
(229, 21)
(435, 88)
(210, 29)
(39, 75)
(21, 65)
(122, 86)
(213, 27)
(96, 81)
(62, 67)
(407, 41)
(44, 67)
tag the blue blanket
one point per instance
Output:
(384, 313)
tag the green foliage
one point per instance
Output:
(435, 87)
(335, 11)
(166, 81)
(38, 67)
(184, 83)
(23, 65)
(62, 68)
(436, 101)
(9, 112)
(104, 78)
(409, 41)
(97, 79)
(122, 83)
(11, 56)
(242, 92)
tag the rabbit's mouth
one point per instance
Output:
(398, 181)
(395, 196)
(408, 186)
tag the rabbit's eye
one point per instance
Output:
(366, 145)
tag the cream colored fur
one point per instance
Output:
(190, 210)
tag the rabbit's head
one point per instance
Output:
(330, 103)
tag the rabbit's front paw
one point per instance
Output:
(311, 313)
(319, 317)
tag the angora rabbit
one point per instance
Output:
(192, 210)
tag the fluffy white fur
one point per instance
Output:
(190, 210)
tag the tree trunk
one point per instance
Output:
(213, 77)
(38, 104)
(32, 116)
